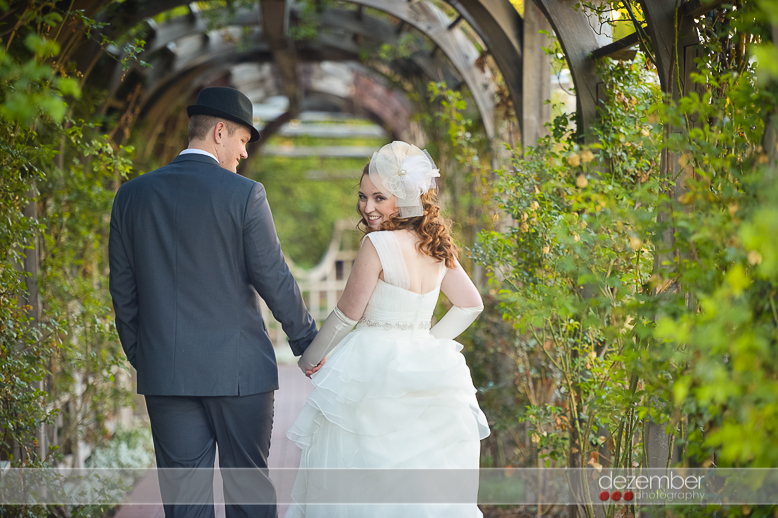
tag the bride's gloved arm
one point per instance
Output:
(467, 302)
(359, 287)
(332, 331)
(455, 321)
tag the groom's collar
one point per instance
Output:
(196, 157)
(196, 151)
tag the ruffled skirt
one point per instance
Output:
(388, 400)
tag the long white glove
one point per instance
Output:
(455, 321)
(332, 331)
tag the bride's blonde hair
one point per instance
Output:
(431, 227)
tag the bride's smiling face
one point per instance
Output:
(373, 205)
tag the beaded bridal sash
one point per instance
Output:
(403, 326)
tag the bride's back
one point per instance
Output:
(423, 270)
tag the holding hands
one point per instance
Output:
(334, 329)
(312, 370)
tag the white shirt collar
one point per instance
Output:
(198, 152)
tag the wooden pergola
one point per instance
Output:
(514, 43)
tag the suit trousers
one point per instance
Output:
(186, 431)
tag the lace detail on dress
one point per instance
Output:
(391, 256)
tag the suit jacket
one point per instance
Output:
(192, 248)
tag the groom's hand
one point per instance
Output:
(313, 370)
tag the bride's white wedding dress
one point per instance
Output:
(390, 396)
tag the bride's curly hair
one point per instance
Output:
(431, 227)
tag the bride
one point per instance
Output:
(395, 397)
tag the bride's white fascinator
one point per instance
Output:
(405, 171)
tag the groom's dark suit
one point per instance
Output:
(192, 248)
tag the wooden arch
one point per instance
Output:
(458, 67)
(501, 29)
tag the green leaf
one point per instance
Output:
(69, 86)
(681, 389)
(737, 279)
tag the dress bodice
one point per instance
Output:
(393, 307)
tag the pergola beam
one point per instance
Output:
(500, 27)
(694, 8)
(578, 41)
(427, 18)
(422, 16)
(498, 16)
(661, 18)
(382, 31)
(275, 27)
(221, 54)
(617, 48)
(536, 77)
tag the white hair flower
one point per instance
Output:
(405, 171)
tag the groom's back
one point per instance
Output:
(199, 327)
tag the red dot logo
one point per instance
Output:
(616, 496)
(628, 496)
(604, 495)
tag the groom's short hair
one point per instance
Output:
(200, 125)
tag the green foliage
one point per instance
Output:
(58, 346)
(74, 279)
(31, 87)
(30, 97)
(724, 344)
(570, 267)
(643, 293)
(407, 44)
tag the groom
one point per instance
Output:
(192, 249)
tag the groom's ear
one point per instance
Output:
(219, 132)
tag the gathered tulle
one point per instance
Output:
(384, 400)
(378, 388)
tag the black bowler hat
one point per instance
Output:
(227, 103)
